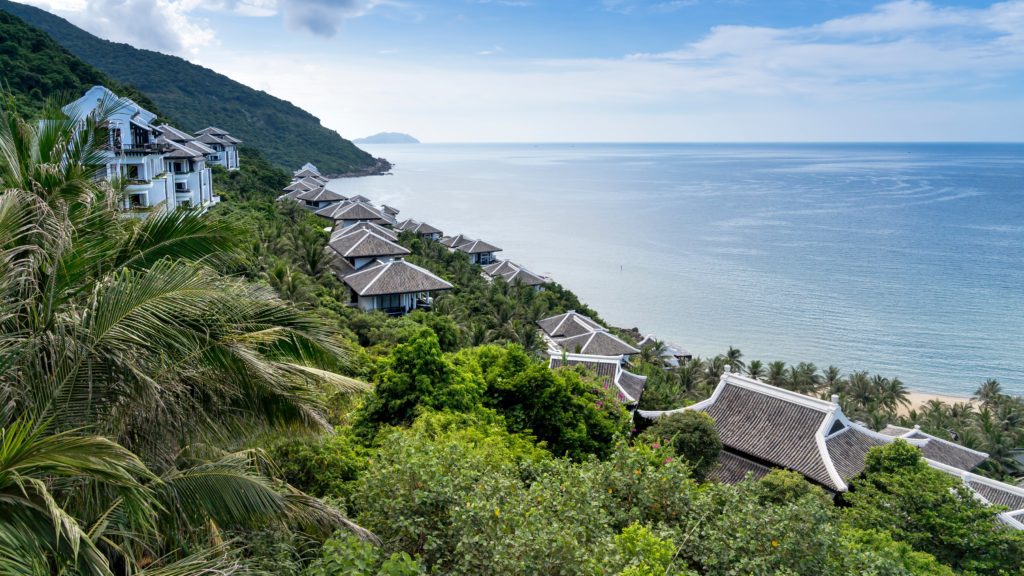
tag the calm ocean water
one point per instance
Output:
(901, 259)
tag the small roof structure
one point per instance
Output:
(301, 185)
(351, 210)
(308, 167)
(211, 139)
(571, 323)
(178, 150)
(321, 195)
(360, 198)
(407, 223)
(394, 277)
(423, 229)
(732, 469)
(514, 273)
(455, 241)
(629, 387)
(939, 449)
(219, 133)
(371, 226)
(477, 247)
(366, 244)
(172, 133)
(599, 342)
(390, 210)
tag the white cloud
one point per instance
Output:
(164, 25)
(905, 70)
(324, 17)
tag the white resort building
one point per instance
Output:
(223, 147)
(161, 166)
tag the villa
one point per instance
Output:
(359, 248)
(394, 287)
(764, 427)
(352, 211)
(160, 165)
(375, 228)
(629, 387)
(480, 252)
(672, 354)
(319, 198)
(421, 229)
(513, 273)
(224, 147)
(567, 325)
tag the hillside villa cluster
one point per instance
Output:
(160, 165)
(761, 426)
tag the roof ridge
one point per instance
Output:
(384, 268)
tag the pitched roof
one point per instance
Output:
(320, 195)
(424, 228)
(404, 224)
(389, 209)
(176, 150)
(524, 277)
(732, 469)
(394, 277)
(350, 210)
(938, 449)
(609, 370)
(477, 247)
(360, 198)
(301, 185)
(290, 195)
(211, 139)
(223, 135)
(774, 428)
(172, 133)
(500, 267)
(571, 323)
(599, 342)
(371, 226)
(366, 244)
(455, 241)
(811, 436)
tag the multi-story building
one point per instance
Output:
(159, 165)
(185, 160)
(133, 153)
(224, 146)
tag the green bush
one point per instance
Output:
(692, 436)
(346, 555)
(322, 466)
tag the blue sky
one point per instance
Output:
(607, 70)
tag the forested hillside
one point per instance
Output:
(197, 97)
(34, 68)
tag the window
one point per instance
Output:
(131, 172)
(389, 301)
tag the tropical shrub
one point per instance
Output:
(692, 436)
(349, 556)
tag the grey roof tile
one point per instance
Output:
(394, 277)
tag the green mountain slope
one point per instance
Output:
(197, 97)
(33, 68)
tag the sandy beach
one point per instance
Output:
(918, 399)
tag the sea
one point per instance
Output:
(900, 259)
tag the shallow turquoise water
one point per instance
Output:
(901, 259)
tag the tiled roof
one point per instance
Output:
(290, 195)
(733, 469)
(1001, 495)
(301, 185)
(599, 342)
(477, 247)
(773, 429)
(178, 151)
(350, 210)
(360, 198)
(358, 226)
(609, 370)
(848, 449)
(524, 277)
(366, 244)
(339, 265)
(389, 209)
(938, 449)
(500, 267)
(211, 139)
(406, 224)
(394, 277)
(321, 195)
(424, 228)
(455, 241)
(569, 324)
(172, 133)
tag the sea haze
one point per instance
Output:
(904, 259)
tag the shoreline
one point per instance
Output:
(919, 398)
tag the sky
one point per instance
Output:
(606, 70)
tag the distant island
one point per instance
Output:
(387, 138)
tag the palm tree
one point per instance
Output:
(990, 392)
(652, 353)
(832, 381)
(126, 328)
(734, 358)
(756, 369)
(777, 374)
(803, 378)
